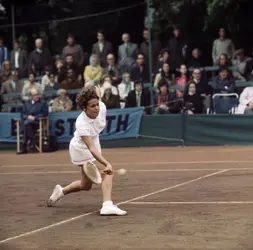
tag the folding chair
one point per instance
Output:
(43, 132)
(225, 103)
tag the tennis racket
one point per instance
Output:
(92, 172)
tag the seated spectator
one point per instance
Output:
(39, 59)
(202, 84)
(182, 79)
(110, 100)
(70, 81)
(139, 97)
(223, 83)
(107, 79)
(195, 61)
(93, 72)
(240, 63)
(193, 103)
(112, 69)
(28, 85)
(5, 71)
(124, 88)
(32, 111)
(139, 71)
(223, 61)
(62, 103)
(70, 64)
(60, 70)
(249, 70)
(165, 74)
(167, 103)
(52, 84)
(246, 102)
(163, 58)
(45, 78)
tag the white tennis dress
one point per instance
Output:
(85, 126)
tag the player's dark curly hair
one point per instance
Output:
(87, 93)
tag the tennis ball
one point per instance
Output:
(121, 171)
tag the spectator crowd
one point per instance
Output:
(179, 83)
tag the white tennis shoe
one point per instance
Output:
(110, 209)
(56, 195)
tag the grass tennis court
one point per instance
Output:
(176, 198)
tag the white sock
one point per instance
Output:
(107, 203)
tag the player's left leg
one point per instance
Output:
(108, 207)
(76, 186)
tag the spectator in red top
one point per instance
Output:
(182, 79)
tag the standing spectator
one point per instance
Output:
(32, 111)
(102, 48)
(30, 84)
(163, 58)
(110, 100)
(223, 83)
(93, 72)
(4, 54)
(75, 50)
(52, 84)
(139, 97)
(240, 63)
(195, 61)
(139, 71)
(222, 45)
(182, 79)
(164, 74)
(127, 53)
(62, 103)
(167, 103)
(144, 49)
(124, 88)
(5, 71)
(176, 50)
(193, 103)
(112, 69)
(19, 60)
(39, 58)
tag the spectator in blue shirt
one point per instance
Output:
(3, 52)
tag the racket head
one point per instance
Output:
(92, 172)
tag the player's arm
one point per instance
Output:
(96, 154)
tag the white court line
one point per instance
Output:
(135, 163)
(123, 202)
(189, 202)
(135, 171)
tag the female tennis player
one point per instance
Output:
(85, 148)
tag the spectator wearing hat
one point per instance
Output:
(124, 88)
(223, 83)
(222, 45)
(110, 100)
(139, 97)
(240, 62)
(75, 50)
(102, 48)
(62, 102)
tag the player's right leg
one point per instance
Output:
(76, 186)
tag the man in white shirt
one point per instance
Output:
(85, 147)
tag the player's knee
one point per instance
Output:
(86, 186)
